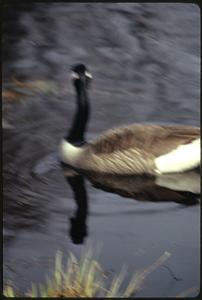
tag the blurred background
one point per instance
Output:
(145, 62)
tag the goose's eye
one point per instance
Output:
(75, 75)
(88, 75)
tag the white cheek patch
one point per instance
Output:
(75, 75)
(184, 157)
(88, 75)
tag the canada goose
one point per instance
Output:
(133, 149)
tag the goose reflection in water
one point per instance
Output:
(78, 228)
(183, 188)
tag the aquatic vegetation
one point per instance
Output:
(86, 278)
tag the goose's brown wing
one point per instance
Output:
(153, 139)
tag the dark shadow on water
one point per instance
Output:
(181, 188)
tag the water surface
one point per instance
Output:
(145, 61)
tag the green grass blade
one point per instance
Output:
(34, 292)
(9, 292)
(116, 283)
(138, 278)
(58, 268)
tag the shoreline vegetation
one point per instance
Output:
(85, 278)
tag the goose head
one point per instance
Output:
(81, 76)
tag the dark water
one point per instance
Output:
(145, 61)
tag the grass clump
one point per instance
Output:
(85, 278)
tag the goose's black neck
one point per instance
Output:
(76, 135)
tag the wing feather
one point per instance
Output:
(154, 139)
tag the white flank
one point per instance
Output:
(184, 157)
(69, 154)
